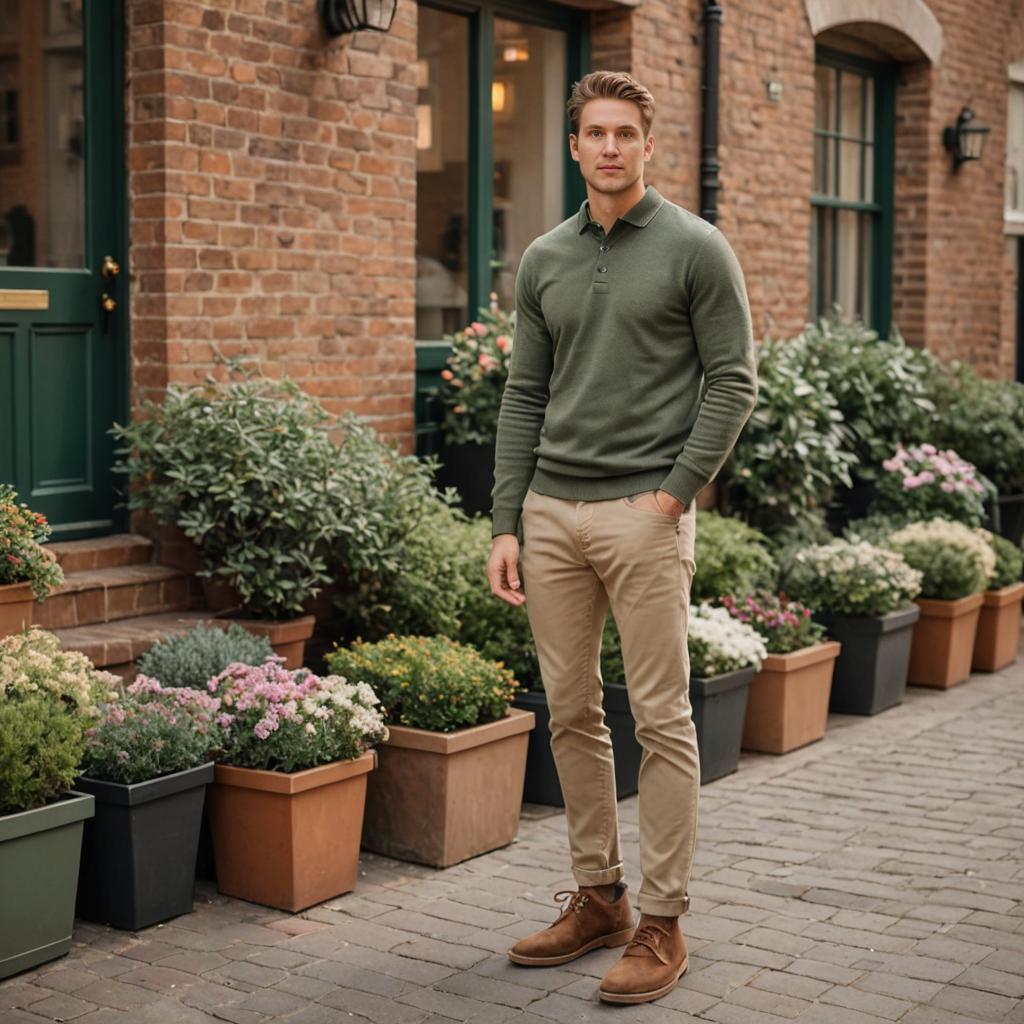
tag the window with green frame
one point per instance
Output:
(851, 202)
(492, 164)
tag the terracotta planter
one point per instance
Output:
(15, 608)
(220, 595)
(439, 798)
(943, 643)
(288, 840)
(787, 706)
(288, 636)
(998, 637)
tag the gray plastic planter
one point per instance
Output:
(542, 786)
(719, 707)
(139, 852)
(871, 671)
(39, 855)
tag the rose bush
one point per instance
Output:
(23, 559)
(922, 482)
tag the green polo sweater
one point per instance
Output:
(632, 364)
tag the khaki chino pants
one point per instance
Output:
(579, 557)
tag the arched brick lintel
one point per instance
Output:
(911, 18)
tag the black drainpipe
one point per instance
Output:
(709, 166)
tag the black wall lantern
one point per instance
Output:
(966, 139)
(341, 16)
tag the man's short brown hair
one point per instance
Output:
(615, 85)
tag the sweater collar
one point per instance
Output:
(639, 215)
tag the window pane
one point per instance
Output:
(442, 173)
(869, 110)
(528, 105)
(821, 260)
(869, 174)
(853, 263)
(42, 135)
(851, 104)
(824, 174)
(1015, 150)
(850, 171)
(824, 98)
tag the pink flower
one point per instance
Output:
(478, 328)
(911, 482)
(947, 487)
(459, 409)
(927, 477)
(486, 361)
(447, 375)
(503, 342)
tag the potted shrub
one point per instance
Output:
(248, 471)
(27, 570)
(956, 565)
(47, 698)
(861, 593)
(194, 657)
(725, 654)
(147, 763)
(470, 396)
(787, 705)
(999, 625)
(449, 783)
(922, 482)
(294, 768)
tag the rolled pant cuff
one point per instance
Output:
(663, 908)
(607, 876)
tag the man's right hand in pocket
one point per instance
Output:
(503, 569)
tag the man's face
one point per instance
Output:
(610, 148)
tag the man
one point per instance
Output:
(632, 374)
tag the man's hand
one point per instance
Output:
(503, 569)
(661, 501)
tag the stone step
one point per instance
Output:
(115, 646)
(91, 596)
(103, 552)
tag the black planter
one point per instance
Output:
(541, 785)
(1008, 517)
(469, 468)
(871, 671)
(719, 707)
(139, 852)
(851, 503)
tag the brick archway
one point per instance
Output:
(912, 20)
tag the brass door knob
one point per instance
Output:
(110, 268)
(108, 303)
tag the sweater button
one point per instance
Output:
(602, 270)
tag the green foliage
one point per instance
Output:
(499, 631)
(794, 449)
(851, 579)
(429, 682)
(248, 471)
(194, 658)
(473, 382)
(23, 559)
(954, 560)
(41, 745)
(876, 528)
(404, 563)
(731, 558)
(883, 390)
(152, 731)
(984, 421)
(1009, 560)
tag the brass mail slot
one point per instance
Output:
(24, 298)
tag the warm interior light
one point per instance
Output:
(424, 126)
(513, 52)
(498, 95)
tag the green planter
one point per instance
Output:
(39, 856)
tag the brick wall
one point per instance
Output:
(272, 191)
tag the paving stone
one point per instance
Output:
(489, 990)
(914, 990)
(449, 954)
(338, 975)
(789, 984)
(718, 979)
(272, 1003)
(193, 961)
(768, 1002)
(61, 1006)
(375, 1008)
(116, 994)
(867, 1002)
(1000, 982)
(924, 967)
(971, 1002)
(67, 979)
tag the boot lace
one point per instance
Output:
(651, 937)
(576, 902)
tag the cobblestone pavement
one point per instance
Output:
(874, 876)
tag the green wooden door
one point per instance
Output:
(63, 295)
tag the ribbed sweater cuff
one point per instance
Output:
(505, 520)
(684, 484)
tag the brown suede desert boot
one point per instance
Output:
(587, 922)
(649, 967)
